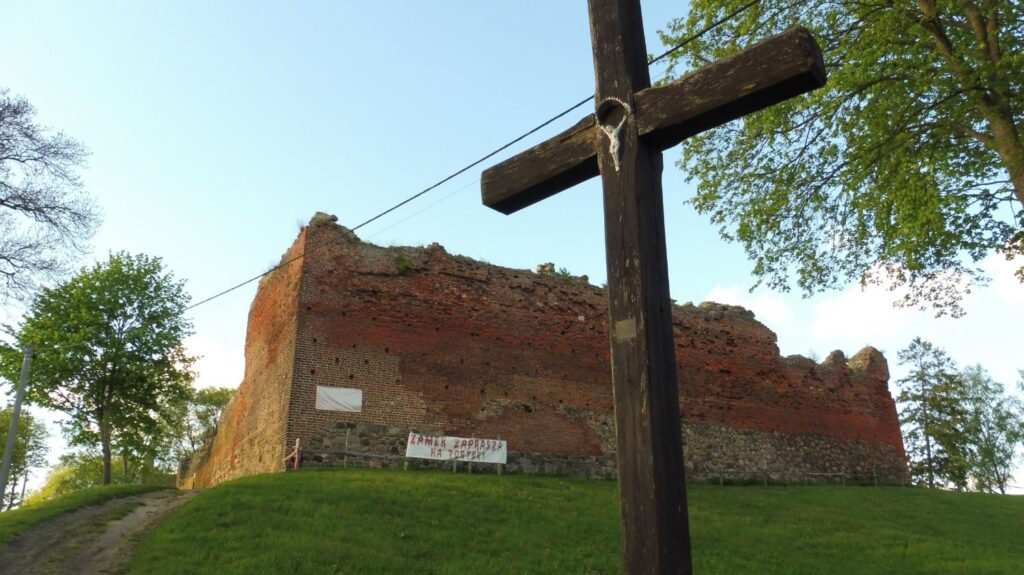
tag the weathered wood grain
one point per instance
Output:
(544, 170)
(765, 74)
(772, 71)
(652, 482)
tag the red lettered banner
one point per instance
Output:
(457, 448)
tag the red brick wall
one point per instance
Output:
(251, 433)
(442, 343)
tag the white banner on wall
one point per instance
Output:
(339, 398)
(458, 448)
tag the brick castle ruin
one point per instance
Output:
(443, 344)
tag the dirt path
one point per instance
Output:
(93, 540)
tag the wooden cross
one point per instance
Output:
(623, 141)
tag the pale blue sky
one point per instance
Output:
(216, 126)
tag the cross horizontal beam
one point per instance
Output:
(767, 73)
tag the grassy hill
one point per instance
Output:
(382, 521)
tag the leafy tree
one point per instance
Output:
(906, 168)
(109, 352)
(961, 429)
(150, 447)
(200, 421)
(29, 453)
(44, 213)
(76, 471)
(995, 427)
(930, 415)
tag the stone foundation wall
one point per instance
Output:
(712, 454)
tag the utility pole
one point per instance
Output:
(12, 433)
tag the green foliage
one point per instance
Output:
(29, 452)
(960, 428)
(199, 423)
(929, 415)
(13, 523)
(78, 471)
(994, 428)
(903, 170)
(403, 263)
(109, 354)
(436, 522)
(561, 273)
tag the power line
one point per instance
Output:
(427, 207)
(486, 157)
(706, 29)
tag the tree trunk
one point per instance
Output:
(927, 429)
(990, 100)
(105, 445)
(1010, 150)
(148, 463)
(14, 493)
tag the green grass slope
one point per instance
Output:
(382, 521)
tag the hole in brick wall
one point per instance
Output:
(366, 362)
(312, 372)
(461, 360)
(314, 340)
(386, 350)
(309, 308)
(481, 391)
(343, 314)
(353, 346)
(351, 375)
(337, 360)
(446, 386)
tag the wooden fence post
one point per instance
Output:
(500, 466)
(344, 458)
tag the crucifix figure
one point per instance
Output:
(622, 141)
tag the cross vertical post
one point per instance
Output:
(622, 141)
(652, 484)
